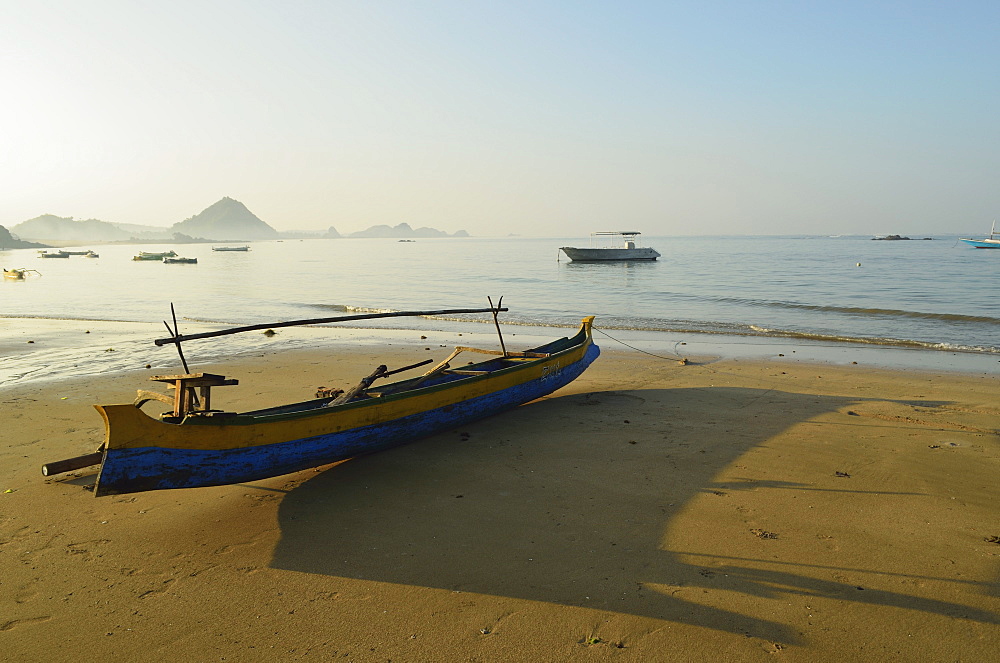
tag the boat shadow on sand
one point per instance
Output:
(627, 515)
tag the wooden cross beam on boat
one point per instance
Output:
(185, 399)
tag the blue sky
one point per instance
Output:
(535, 118)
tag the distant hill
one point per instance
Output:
(227, 220)
(144, 232)
(57, 228)
(402, 231)
(8, 241)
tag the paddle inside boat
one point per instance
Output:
(193, 444)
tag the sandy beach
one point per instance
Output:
(737, 510)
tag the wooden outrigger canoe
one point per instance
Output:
(194, 445)
(18, 273)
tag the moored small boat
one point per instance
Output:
(624, 246)
(195, 445)
(19, 273)
(180, 261)
(230, 248)
(53, 254)
(991, 242)
(157, 256)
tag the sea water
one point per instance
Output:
(931, 295)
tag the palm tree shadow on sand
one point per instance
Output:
(533, 504)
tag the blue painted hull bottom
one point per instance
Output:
(156, 468)
(983, 244)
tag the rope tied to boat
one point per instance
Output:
(632, 347)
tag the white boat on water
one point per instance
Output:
(624, 245)
(991, 242)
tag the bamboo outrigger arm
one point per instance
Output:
(179, 338)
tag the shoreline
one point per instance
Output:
(723, 509)
(53, 349)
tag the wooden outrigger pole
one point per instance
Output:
(496, 309)
(177, 338)
(176, 332)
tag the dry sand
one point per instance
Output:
(722, 510)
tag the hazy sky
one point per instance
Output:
(539, 118)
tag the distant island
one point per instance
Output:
(402, 231)
(227, 220)
(895, 238)
(9, 241)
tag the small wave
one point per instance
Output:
(729, 329)
(888, 312)
(454, 317)
(860, 310)
(856, 311)
(874, 340)
(350, 308)
(62, 318)
(365, 309)
(332, 307)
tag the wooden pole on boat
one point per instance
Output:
(70, 464)
(496, 309)
(177, 339)
(380, 372)
(360, 387)
(191, 396)
(175, 331)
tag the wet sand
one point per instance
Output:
(738, 510)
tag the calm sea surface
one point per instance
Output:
(934, 295)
